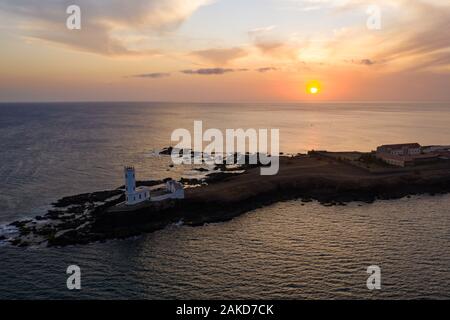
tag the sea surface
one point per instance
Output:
(288, 250)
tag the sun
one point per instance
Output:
(313, 87)
(313, 90)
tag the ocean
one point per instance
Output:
(287, 250)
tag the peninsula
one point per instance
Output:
(332, 178)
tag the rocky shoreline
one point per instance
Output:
(222, 196)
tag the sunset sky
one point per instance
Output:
(224, 50)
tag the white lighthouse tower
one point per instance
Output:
(130, 180)
(134, 195)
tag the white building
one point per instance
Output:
(400, 155)
(176, 189)
(408, 154)
(134, 195)
(405, 149)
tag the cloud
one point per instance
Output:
(220, 56)
(313, 5)
(266, 69)
(212, 71)
(278, 49)
(416, 41)
(427, 44)
(412, 37)
(269, 43)
(365, 62)
(268, 46)
(106, 24)
(155, 75)
(260, 31)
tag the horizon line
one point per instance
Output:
(225, 102)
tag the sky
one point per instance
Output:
(225, 50)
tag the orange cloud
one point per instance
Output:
(220, 56)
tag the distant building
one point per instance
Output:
(405, 149)
(399, 155)
(176, 189)
(134, 195)
(394, 160)
(433, 149)
(404, 155)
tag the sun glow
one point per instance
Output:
(313, 87)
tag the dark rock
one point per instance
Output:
(87, 197)
(68, 238)
(23, 244)
(46, 231)
(54, 214)
(190, 182)
(76, 209)
(19, 224)
(166, 151)
(219, 176)
(15, 242)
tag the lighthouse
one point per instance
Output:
(134, 195)
(130, 180)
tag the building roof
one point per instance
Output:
(401, 145)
